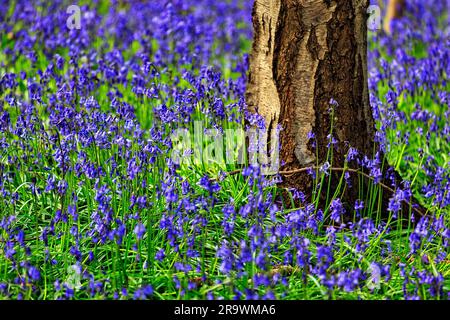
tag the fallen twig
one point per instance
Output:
(300, 170)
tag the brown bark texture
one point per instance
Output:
(305, 53)
(394, 10)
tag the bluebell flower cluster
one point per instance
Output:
(93, 206)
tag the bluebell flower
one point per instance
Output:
(337, 210)
(139, 230)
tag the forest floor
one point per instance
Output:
(94, 204)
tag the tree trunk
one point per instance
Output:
(305, 53)
(394, 10)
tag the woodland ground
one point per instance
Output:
(92, 207)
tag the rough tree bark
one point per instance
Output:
(394, 10)
(305, 53)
